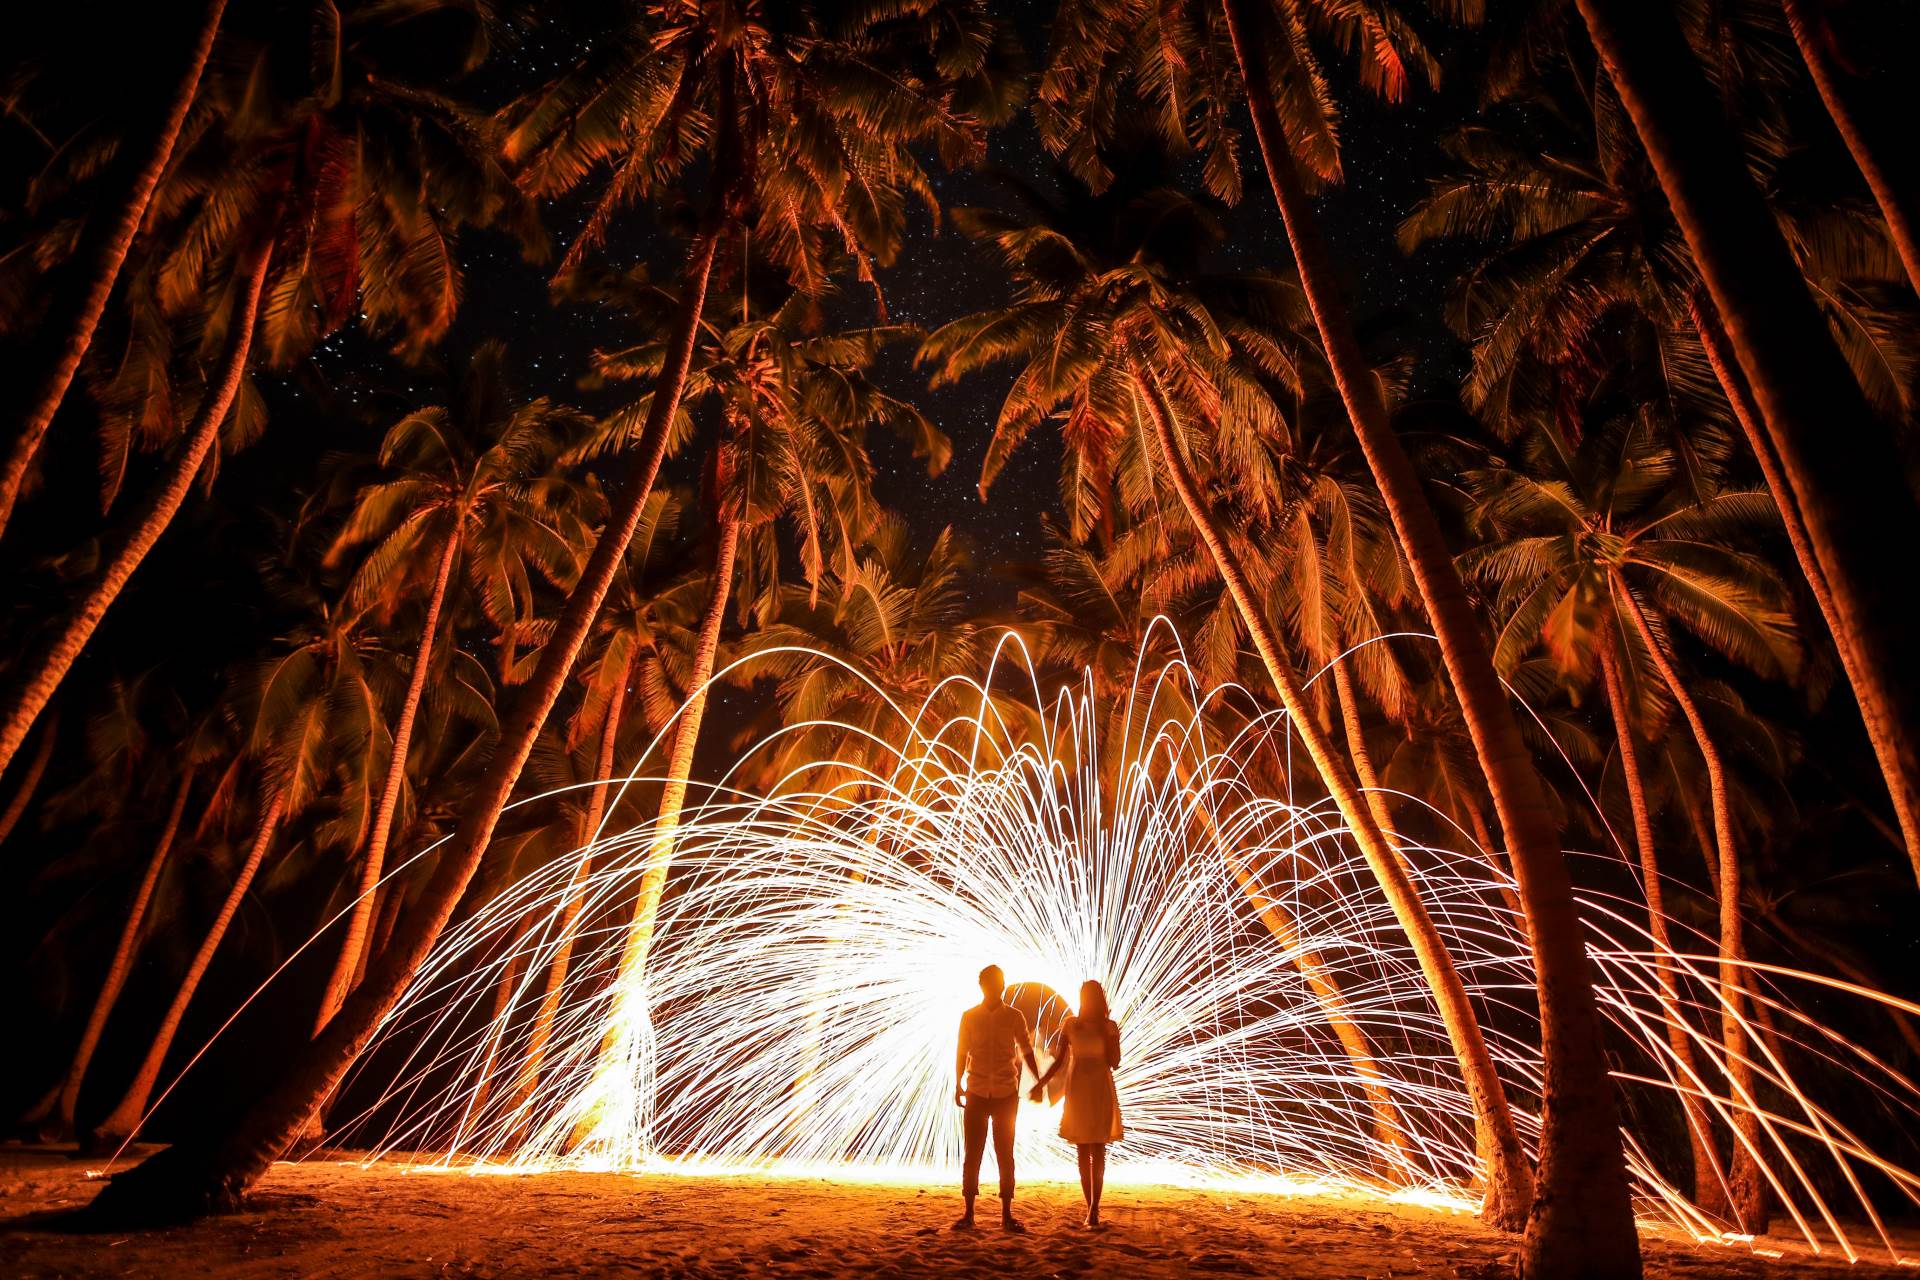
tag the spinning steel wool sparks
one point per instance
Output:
(819, 940)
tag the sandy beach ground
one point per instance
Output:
(333, 1218)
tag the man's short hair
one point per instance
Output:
(993, 969)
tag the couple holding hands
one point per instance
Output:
(993, 1042)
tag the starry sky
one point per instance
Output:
(1390, 152)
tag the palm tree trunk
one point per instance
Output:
(1747, 1187)
(41, 675)
(1584, 1224)
(30, 781)
(1490, 845)
(63, 1100)
(1357, 746)
(1896, 196)
(106, 251)
(359, 924)
(1509, 1178)
(391, 899)
(191, 1177)
(1389, 1130)
(499, 1017)
(1841, 465)
(1867, 694)
(125, 1119)
(533, 1060)
(629, 992)
(1708, 1191)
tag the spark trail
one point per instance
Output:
(821, 933)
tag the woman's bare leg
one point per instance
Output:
(1097, 1176)
(1085, 1157)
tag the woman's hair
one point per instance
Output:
(1093, 1000)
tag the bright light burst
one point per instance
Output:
(819, 942)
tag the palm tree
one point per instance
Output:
(315, 219)
(1840, 465)
(1129, 332)
(793, 408)
(29, 782)
(805, 129)
(121, 744)
(1580, 236)
(312, 713)
(1089, 621)
(636, 649)
(102, 254)
(1599, 553)
(1847, 95)
(1193, 64)
(469, 493)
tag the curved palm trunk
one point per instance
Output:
(1747, 1188)
(1874, 714)
(1509, 1178)
(125, 1119)
(392, 899)
(1841, 465)
(194, 1176)
(61, 1101)
(498, 1017)
(109, 251)
(1388, 1128)
(1582, 1224)
(629, 1009)
(359, 924)
(41, 675)
(1357, 746)
(1898, 195)
(1708, 1191)
(533, 1060)
(30, 781)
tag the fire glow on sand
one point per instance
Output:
(797, 1006)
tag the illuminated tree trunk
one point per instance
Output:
(1583, 1226)
(1509, 1178)
(108, 249)
(1747, 1188)
(1897, 196)
(1389, 1130)
(215, 1168)
(1842, 466)
(533, 1061)
(1708, 1192)
(359, 925)
(498, 1015)
(125, 1119)
(61, 1104)
(627, 1010)
(42, 673)
(30, 780)
(1357, 746)
(1874, 713)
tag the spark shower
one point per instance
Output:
(797, 1006)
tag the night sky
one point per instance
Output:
(939, 275)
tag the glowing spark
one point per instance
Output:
(818, 943)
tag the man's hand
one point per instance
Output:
(1037, 1093)
(959, 1097)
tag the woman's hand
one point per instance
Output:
(1037, 1093)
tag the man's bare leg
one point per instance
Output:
(966, 1219)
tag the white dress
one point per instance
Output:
(1092, 1110)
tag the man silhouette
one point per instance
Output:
(986, 1069)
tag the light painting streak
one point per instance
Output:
(818, 943)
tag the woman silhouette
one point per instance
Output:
(1088, 1046)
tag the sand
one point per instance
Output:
(333, 1218)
